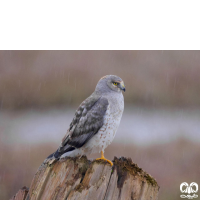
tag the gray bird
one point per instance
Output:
(95, 122)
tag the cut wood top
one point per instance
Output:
(74, 179)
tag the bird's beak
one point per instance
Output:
(122, 86)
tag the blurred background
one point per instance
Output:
(160, 127)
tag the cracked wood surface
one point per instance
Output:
(21, 194)
(81, 179)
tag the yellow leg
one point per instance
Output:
(103, 158)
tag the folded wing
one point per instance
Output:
(89, 118)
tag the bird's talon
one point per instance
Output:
(111, 163)
(103, 158)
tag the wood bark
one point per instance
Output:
(81, 179)
(21, 194)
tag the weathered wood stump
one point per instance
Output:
(74, 179)
(21, 194)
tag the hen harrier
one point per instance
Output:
(95, 122)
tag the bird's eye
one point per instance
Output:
(114, 83)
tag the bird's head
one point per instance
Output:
(110, 82)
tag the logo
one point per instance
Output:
(189, 189)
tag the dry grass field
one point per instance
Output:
(51, 78)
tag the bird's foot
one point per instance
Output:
(103, 158)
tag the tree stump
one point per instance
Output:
(21, 194)
(81, 179)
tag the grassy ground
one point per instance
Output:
(52, 78)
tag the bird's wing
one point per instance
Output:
(86, 123)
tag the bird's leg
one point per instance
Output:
(103, 158)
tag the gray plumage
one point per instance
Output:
(96, 120)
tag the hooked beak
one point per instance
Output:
(122, 86)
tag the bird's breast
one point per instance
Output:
(111, 122)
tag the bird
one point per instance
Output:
(95, 121)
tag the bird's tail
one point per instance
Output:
(52, 158)
(57, 155)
